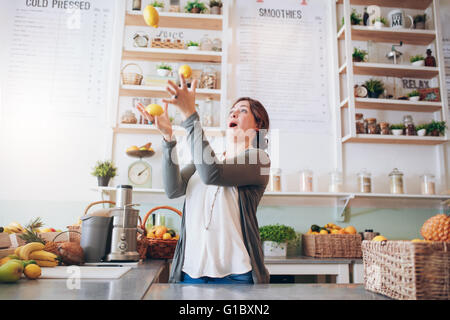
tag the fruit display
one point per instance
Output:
(145, 147)
(34, 251)
(13, 227)
(144, 151)
(437, 228)
(331, 228)
(162, 232)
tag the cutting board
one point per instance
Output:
(63, 272)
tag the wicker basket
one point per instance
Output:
(131, 77)
(167, 44)
(76, 236)
(332, 245)
(159, 248)
(407, 270)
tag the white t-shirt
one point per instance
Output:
(214, 241)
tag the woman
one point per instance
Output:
(219, 239)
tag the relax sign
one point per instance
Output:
(415, 84)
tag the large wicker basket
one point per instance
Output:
(407, 270)
(159, 248)
(332, 245)
(131, 78)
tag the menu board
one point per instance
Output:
(280, 58)
(56, 57)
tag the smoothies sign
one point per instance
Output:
(280, 53)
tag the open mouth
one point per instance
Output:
(232, 125)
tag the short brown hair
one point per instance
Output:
(261, 118)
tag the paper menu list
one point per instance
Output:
(57, 58)
(281, 60)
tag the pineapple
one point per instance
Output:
(31, 232)
(436, 228)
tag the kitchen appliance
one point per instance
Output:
(124, 229)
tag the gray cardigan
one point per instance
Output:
(248, 172)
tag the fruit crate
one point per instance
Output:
(332, 245)
(406, 270)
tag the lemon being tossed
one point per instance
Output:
(186, 71)
(151, 16)
(154, 109)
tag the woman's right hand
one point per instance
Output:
(161, 122)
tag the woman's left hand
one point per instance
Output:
(182, 97)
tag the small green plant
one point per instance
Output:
(399, 126)
(421, 126)
(375, 87)
(192, 44)
(420, 18)
(359, 55)
(414, 93)
(277, 233)
(157, 4)
(215, 3)
(416, 58)
(355, 18)
(195, 5)
(104, 169)
(380, 19)
(436, 127)
(164, 66)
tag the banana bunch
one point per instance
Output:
(35, 251)
(13, 227)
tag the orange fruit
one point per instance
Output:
(350, 230)
(159, 231)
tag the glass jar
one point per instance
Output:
(208, 78)
(207, 113)
(364, 181)
(396, 181)
(336, 182)
(359, 123)
(372, 126)
(410, 129)
(275, 180)
(137, 5)
(427, 184)
(206, 43)
(217, 45)
(306, 181)
(384, 128)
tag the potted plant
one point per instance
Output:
(104, 171)
(215, 6)
(374, 88)
(421, 130)
(192, 45)
(355, 18)
(159, 6)
(436, 128)
(414, 95)
(397, 129)
(417, 60)
(359, 55)
(195, 7)
(163, 70)
(419, 21)
(379, 22)
(275, 238)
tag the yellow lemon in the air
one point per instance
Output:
(154, 109)
(185, 70)
(151, 16)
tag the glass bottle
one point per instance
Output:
(396, 181)
(217, 44)
(207, 113)
(336, 182)
(206, 43)
(364, 181)
(306, 181)
(137, 5)
(208, 78)
(384, 128)
(372, 126)
(410, 129)
(359, 123)
(427, 184)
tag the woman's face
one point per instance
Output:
(241, 122)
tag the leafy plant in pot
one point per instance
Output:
(414, 95)
(374, 88)
(159, 6)
(436, 128)
(417, 60)
(215, 6)
(379, 22)
(397, 129)
(421, 130)
(163, 70)
(195, 7)
(419, 21)
(359, 55)
(275, 239)
(104, 171)
(192, 45)
(355, 18)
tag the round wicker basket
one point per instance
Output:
(131, 78)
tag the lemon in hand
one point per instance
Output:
(151, 16)
(154, 109)
(185, 70)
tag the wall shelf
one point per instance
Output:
(392, 70)
(151, 129)
(411, 4)
(160, 92)
(388, 35)
(178, 20)
(157, 54)
(391, 139)
(394, 105)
